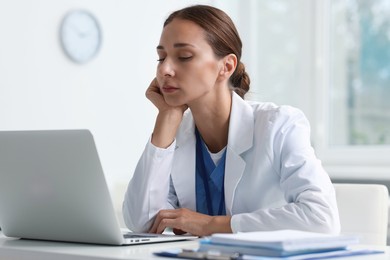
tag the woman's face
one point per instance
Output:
(187, 66)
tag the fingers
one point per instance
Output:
(184, 221)
(161, 222)
(153, 87)
(177, 231)
(153, 93)
(165, 223)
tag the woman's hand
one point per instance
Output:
(154, 94)
(168, 118)
(187, 221)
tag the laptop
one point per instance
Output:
(52, 187)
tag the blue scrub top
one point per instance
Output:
(210, 196)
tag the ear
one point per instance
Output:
(229, 64)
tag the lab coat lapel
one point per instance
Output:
(241, 128)
(183, 171)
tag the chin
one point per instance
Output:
(174, 102)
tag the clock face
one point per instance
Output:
(80, 36)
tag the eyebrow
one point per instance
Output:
(176, 45)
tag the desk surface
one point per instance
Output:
(11, 248)
(19, 249)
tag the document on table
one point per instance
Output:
(213, 255)
(286, 240)
(289, 244)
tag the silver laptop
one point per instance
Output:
(52, 187)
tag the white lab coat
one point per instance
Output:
(273, 179)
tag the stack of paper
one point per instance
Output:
(276, 243)
(282, 244)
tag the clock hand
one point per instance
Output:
(79, 32)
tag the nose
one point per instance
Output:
(166, 68)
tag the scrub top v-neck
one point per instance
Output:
(210, 198)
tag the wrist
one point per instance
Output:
(167, 123)
(219, 224)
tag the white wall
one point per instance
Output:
(40, 88)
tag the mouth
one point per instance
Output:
(169, 89)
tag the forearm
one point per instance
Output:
(150, 180)
(299, 216)
(166, 127)
(219, 224)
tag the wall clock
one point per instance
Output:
(80, 36)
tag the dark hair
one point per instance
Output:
(222, 36)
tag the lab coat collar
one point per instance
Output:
(241, 125)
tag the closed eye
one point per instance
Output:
(180, 58)
(185, 58)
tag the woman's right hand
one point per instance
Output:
(154, 94)
(168, 118)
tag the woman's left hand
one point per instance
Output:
(187, 221)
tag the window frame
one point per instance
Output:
(351, 162)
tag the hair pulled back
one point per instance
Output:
(222, 36)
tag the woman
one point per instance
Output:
(216, 163)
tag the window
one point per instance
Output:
(332, 60)
(359, 72)
(353, 119)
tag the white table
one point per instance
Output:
(20, 249)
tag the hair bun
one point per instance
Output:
(240, 80)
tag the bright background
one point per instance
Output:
(329, 58)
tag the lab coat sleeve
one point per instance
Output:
(311, 202)
(150, 188)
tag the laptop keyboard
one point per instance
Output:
(132, 235)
